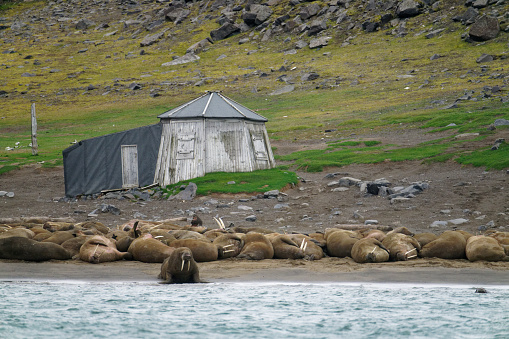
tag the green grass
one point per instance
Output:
(251, 182)
(498, 159)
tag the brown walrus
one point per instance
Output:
(149, 250)
(340, 242)
(449, 245)
(401, 247)
(202, 250)
(310, 246)
(22, 248)
(73, 245)
(480, 247)
(376, 234)
(369, 250)
(425, 238)
(256, 247)
(285, 248)
(98, 249)
(60, 236)
(228, 245)
(180, 267)
(17, 232)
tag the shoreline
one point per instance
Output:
(327, 270)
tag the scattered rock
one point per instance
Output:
(501, 122)
(183, 60)
(151, 39)
(484, 58)
(319, 42)
(224, 31)
(484, 28)
(407, 9)
(186, 194)
(282, 90)
(251, 218)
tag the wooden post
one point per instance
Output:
(34, 132)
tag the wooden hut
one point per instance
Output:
(211, 134)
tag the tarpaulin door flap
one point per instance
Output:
(129, 166)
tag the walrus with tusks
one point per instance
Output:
(98, 249)
(22, 248)
(369, 250)
(180, 268)
(285, 248)
(311, 247)
(256, 247)
(401, 247)
(228, 245)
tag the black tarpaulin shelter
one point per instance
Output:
(119, 160)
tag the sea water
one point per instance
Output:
(73, 309)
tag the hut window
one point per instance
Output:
(185, 146)
(259, 146)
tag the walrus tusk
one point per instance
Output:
(219, 223)
(95, 249)
(305, 246)
(223, 227)
(228, 251)
(159, 236)
(227, 246)
(188, 265)
(374, 249)
(182, 267)
(412, 256)
(413, 249)
(302, 244)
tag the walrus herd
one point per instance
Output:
(178, 248)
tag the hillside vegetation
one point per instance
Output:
(335, 70)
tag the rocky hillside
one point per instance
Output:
(88, 54)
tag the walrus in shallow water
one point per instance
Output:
(401, 246)
(480, 247)
(340, 243)
(100, 249)
(22, 248)
(256, 247)
(180, 267)
(203, 250)
(285, 248)
(449, 245)
(369, 250)
(149, 250)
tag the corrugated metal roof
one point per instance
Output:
(212, 105)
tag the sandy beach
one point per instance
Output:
(340, 270)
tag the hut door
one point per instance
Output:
(185, 146)
(129, 166)
(259, 146)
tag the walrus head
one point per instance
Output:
(186, 256)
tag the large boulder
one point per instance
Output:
(484, 28)
(257, 14)
(151, 39)
(200, 46)
(317, 26)
(309, 11)
(407, 9)
(224, 31)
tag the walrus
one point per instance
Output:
(149, 250)
(54, 226)
(203, 250)
(180, 267)
(369, 250)
(187, 234)
(98, 249)
(228, 245)
(480, 247)
(245, 230)
(22, 248)
(502, 237)
(376, 234)
(340, 242)
(425, 238)
(59, 237)
(402, 230)
(17, 232)
(312, 248)
(73, 245)
(401, 247)
(163, 236)
(285, 248)
(449, 245)
(94, 226)
(319, 237)
(256, 247)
